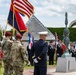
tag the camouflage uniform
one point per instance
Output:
(6, 47)
(18, 57)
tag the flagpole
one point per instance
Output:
(2, 32)
(5, 30)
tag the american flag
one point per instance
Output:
(24, 7)
(30, 40)
(16, 21)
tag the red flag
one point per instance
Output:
(63, 47)
(18, 22)
(22, 27)
(24, 7)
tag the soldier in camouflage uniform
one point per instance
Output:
(6, 47)
(18, 56)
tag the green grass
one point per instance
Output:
(27, 67)
(32, 67)
(1, 69)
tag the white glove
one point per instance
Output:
(28, 63)
(3, 37)
(35, 60)
(13, 38)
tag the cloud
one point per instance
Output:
(0, 3)
(50, 9)
(73, 2)
(55, 7)
(3, 22)
(4, 3)
(3, 17)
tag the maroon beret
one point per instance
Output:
(8, 34)
(19, 36)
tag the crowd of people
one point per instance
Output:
(13, 54)
(59, 49)
(55, 50)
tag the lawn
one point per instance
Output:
(26, 67)
(1, 70)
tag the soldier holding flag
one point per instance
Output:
(6, 47)
(18, 55)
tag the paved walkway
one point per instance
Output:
(51, 71)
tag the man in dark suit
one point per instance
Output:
(39, 54)
(51, 51)
(59, 49)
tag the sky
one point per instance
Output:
(51, 13)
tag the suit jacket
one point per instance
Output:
(39, 49)
(51, 50)
(59, 50)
